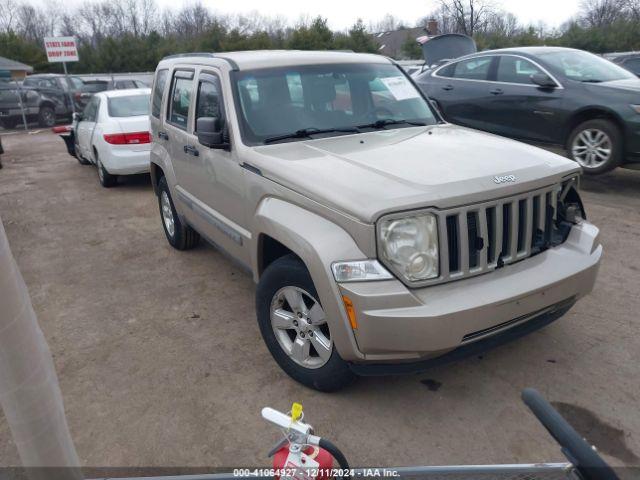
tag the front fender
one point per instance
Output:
(319, 243)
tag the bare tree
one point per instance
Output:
(601, 13)
(386, 24)
(8, 14)
(468, 16)
(192, 20)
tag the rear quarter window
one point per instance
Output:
(158, 89)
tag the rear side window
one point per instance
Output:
(180, 99)
(471, 69)
(158, 89)
(516, 70)
(91, 110)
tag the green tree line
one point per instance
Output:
(133, 35)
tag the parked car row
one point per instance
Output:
(48, 98)
(404, 213)
(628, 60)
(94, 86)
(45, 99)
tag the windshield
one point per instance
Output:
(277, 102)
(76, 82)
(129, 106)
(585, 66)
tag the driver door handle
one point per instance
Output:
(496, 91)
(191, 150)
(448, 87)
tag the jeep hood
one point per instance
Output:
(368, 175)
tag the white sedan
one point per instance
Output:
(112, 132)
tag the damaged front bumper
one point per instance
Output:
(398, 324)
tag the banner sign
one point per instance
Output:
(61, 49)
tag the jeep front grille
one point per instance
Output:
(479, 238)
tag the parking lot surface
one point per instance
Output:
(161, 362)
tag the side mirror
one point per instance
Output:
(209, 132)
(76, 117)
(543, 80)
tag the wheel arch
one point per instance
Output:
(47, 103)
(318, 244)
(156, 173)
(592, 113)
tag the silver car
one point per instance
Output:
(381, 238)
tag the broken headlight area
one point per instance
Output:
(562, 215)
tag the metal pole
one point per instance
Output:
(24, 116)
(66, 77)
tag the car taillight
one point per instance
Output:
(134, 138)
(61, 129)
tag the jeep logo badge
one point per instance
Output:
(504, 178)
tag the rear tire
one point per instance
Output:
(596, 145)
(179, 235)
(301, 345)
(46, 117)
(106, 179)
(9, 124)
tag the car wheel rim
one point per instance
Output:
(591, 148)
(167, 214)
(300, 326)
(49, 118)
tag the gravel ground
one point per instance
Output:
(161, 362)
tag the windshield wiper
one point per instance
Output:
(307, 132)
(591, 80)
(380, 124)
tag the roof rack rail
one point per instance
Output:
(233, 64)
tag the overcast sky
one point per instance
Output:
(343, 13)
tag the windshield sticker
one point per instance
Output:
(400, 88)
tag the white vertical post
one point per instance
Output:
(24, 116)
(66, 78)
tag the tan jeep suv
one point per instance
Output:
(381, 238)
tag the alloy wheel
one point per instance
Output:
(167, 214)
(48, 118)
(592, 148)
(300, 326)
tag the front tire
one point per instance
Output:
(46, 117)
(295, 329)
(9, 124)
(596, 145)
(179, 235)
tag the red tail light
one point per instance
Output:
(135, 138)
(61, 129)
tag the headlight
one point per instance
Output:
(636, 108)
(409, 246)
